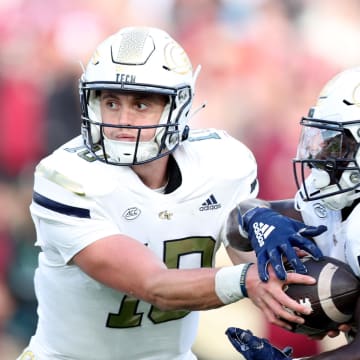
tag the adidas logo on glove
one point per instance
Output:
(262, 231)
(282, 234)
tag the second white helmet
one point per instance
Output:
(329, 144)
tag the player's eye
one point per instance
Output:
(111, 105)
(141, 106)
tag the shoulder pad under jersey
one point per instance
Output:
(65, 167)
(216, 149)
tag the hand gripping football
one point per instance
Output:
(332, 298)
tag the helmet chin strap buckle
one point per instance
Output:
(185, 133)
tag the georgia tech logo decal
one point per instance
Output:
(356, 95)
(95, 58)
(165, 215)
(131, 213)
(176, 58)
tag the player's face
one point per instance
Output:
(134, 109)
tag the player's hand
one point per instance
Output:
(273, 236)
(252, 347)
(278, 308)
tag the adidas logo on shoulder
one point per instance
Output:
(210, 204)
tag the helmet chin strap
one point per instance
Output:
(320, 181)
(339, 201)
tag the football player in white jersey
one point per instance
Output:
(129, 215)
(327, 173)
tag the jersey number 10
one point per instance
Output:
(128, 315)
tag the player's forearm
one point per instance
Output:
(286, 207)
(239, 242)
(236, 240)
(130, 267)
(191, 289)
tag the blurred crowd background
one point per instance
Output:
(263, 64)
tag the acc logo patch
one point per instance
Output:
(131, 213)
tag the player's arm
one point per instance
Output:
(124, 264)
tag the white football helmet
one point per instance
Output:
(329, 144)
(140, 59)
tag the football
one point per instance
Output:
(332, 299)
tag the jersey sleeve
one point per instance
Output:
(66, 221)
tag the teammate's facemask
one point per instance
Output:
(328, 151)
(137, 59)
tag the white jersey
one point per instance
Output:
(78, 200)
(341, 240)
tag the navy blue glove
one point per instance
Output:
(273, 235)
(253, 348)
